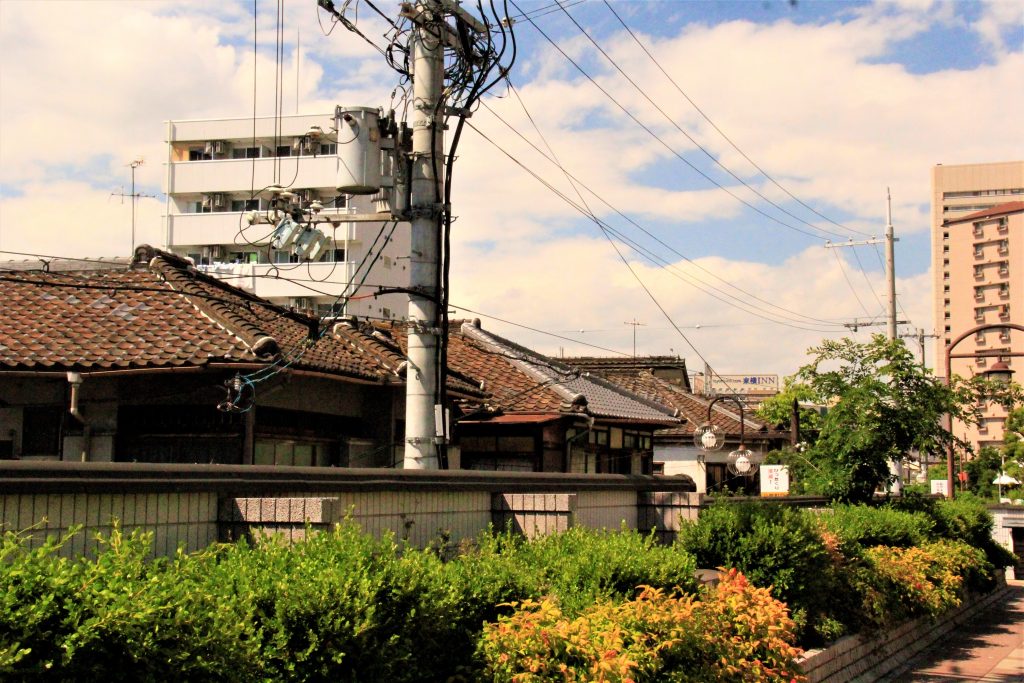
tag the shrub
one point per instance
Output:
(734, 633)
(119, 615)
(863, 526)
(895, 584)
(773, 545)
(964, 518)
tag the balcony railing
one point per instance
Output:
(226, 227)
(246, 175)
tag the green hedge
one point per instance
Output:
(344, 606)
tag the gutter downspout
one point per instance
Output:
(75, 380)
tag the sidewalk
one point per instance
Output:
(989, 648)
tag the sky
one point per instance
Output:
(769, 128)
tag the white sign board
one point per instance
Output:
(744, 384)
(774, 480)
(940, 486)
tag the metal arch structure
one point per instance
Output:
(949, 373)
(738, 403)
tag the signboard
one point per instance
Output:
(744, 384)
(774, 480)
(940, 487)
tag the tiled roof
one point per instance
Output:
(521, 380)
(160, 315)
(998, 210)
(693, 408)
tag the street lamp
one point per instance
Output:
(999, 372)
(742, 461)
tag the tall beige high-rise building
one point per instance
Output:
(978, 270)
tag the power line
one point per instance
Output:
(666, 145)
(656, 260)
(719, 130)
(689, 137)
(633, 222)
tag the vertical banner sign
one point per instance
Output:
(774, 480)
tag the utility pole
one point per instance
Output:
(920, 337)
(890, 267)
(421, 432)
(890, 264)
(858, 323)
(635, 323)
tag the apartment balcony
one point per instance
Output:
(292, 280)
(226, 227)
(237, 175)
(242, 128)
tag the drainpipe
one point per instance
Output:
(75, 380)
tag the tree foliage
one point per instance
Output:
(882, 405)
(778, 409)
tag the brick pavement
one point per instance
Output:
(989, 648)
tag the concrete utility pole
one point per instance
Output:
(421, 432)
(890, 268)
(890, 264)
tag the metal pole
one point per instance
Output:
(890, 264)
(427, 150)
(133, 165)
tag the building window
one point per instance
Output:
(979, 314)
(1004, 335)
(979, 230)
(945, 248)
(945, 234)
(1004, 290)
(198, 154)
(979, 272)
(945, 288)
(245, 153)
(979, 251)
(245, 205)
(979, 337)
(41, 430)
(1004, 268)
(979, 294)
(284, 150)
(328, 148)
(1004, 247)
(336, 255)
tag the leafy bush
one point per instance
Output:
(773, 545)
(863, 526)
(964, 518)
(895, 584)
(734, 633)
(120, 614)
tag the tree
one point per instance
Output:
(1013, 444)
(882, 405)
(778, 409)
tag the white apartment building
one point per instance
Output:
(215, 171)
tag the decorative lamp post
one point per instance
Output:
(999, 372)
(742, 461)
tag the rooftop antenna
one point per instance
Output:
(635, 323)
(134, 164)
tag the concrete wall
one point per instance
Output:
(193, 506)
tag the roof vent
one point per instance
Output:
(266, 346)
(475, 322)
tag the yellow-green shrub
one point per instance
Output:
(734, 632)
